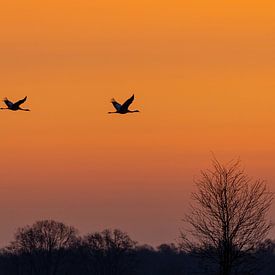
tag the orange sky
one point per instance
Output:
(203, 76)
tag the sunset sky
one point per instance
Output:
(203, 73)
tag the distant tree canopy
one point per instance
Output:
(228, 217)
(109, 252)
(42, 246)
(46, 235)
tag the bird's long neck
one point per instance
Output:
(113, 112)
(24, 109)
(135, 111)
(4, 108)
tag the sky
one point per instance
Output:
(203, 76)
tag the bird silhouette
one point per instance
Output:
(14, 106)
(123, 109)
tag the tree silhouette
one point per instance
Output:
(43, 246)
(110, 252)
(228, 217)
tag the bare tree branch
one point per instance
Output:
(228, 216)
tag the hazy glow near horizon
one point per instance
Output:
(203, 76)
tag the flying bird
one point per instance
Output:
(14, 106)
(123, 109)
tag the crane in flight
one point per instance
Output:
(123, 109)
(14, 106)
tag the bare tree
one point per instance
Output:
(43, 245)
(228, 216)
(110, 252)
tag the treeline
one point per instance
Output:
(52, 248)
(226, 234)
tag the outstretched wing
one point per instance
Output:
(127, 103)
(8, 103)
(19, 102)
(116, 104)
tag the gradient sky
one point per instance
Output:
(203, 76)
